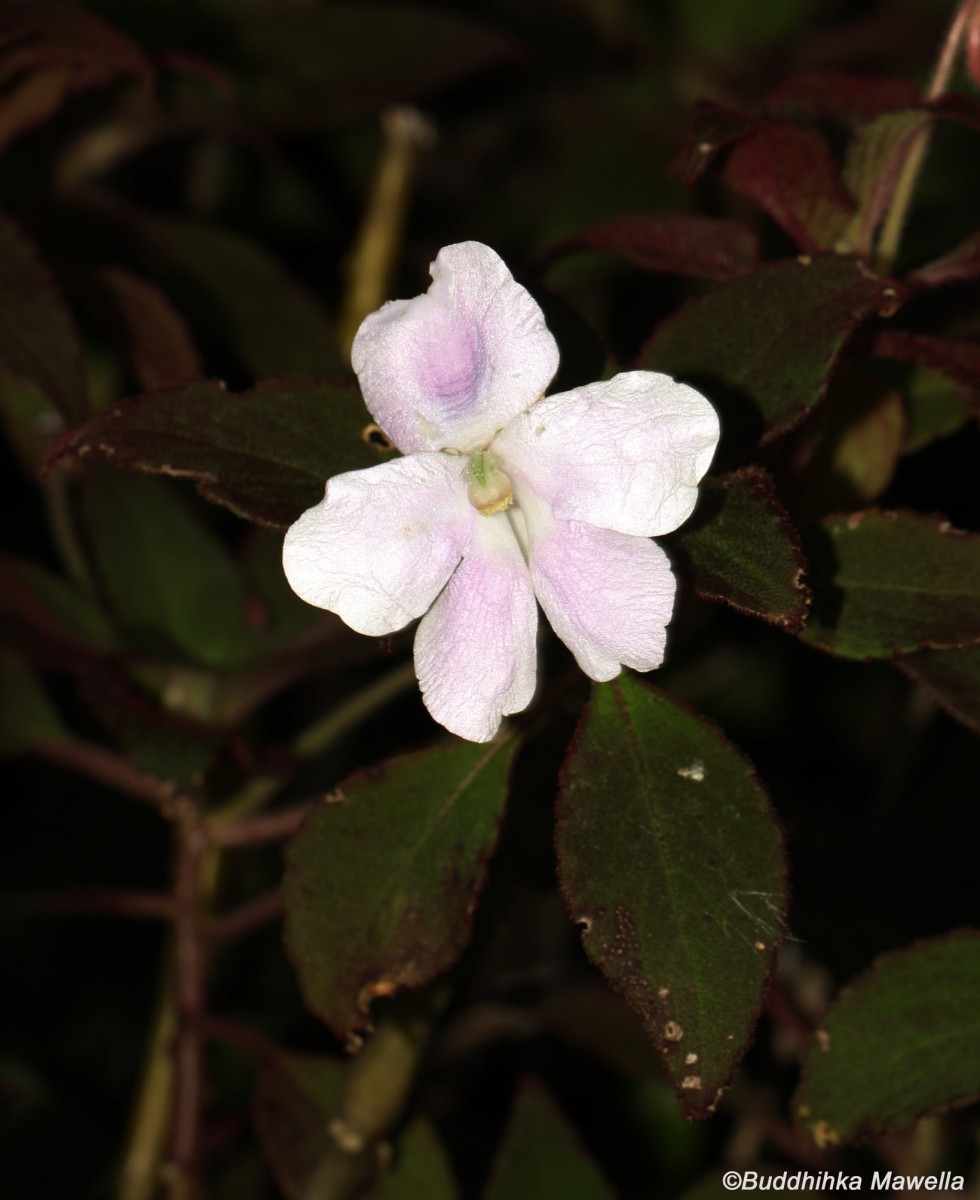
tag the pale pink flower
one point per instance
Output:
(504, 499)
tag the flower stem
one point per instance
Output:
(406, 133)
(891, 233)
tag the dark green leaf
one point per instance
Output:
(765, 345)
(541, 1157)
(421, 1170)
(47, 609)
(901, 1041)
(952, 676)
(270, 321)
(383, 876)
(170, 581)
(790, 172)
(295, 1097)
(38, 342)
(265, 454)
(27, 717)
(740, 548)
(888, 583)
(316, 66)
(681, 892)
(30, 423)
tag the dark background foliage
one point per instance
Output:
(190, 193)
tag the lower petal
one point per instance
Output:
(608, 596)
(381, 543)
(475, 651)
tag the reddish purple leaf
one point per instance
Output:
(962, 262)
(957, 360)
(957, 106)
(790, 172)
(49, 48)
(679, 243)
(159, 343)
(710, 128)
(839, 96)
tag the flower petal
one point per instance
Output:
(608, 595)
(475, 651)
(381, 543)
(450, 368)
(626, 454)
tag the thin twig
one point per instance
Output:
(102, 901)
(272, 827)
(249, 916)
(95, 762)
(190, 967)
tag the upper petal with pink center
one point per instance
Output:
(625, 454)
(452, 367)
(381, 544)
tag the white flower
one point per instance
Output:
(504, 499)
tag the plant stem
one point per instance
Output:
(891, 233)
(406, 133)
(252, 915)
(95, 762)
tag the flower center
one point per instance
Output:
(489, 489)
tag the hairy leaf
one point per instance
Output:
(681, 891)
(541, 1157)
(740, 548)
(790, 172)
(901, 1041)
(887, 583)
(764, 346)
(38, 342)
(704, 247)
(383, 876)
(265, 454)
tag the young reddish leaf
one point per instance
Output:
(740, 548)
(271, 322)
(421, 1168)
(158, 341)
(839, 96)
(790, 172)
(681, 243)
(27, 716)
(314, 66)
(710, 127)
(772, 338)
(38, 342)
(961, 107)
(170, 581)
(265, 454)
(52, 47)
(49, 612)
(541, 1157)
(887, 583)
(681, 891)
(875, 158)
(962, 262)
(952, 676)
(901, 1041)
(383, 876)
(295, 1097)
(957, 360)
